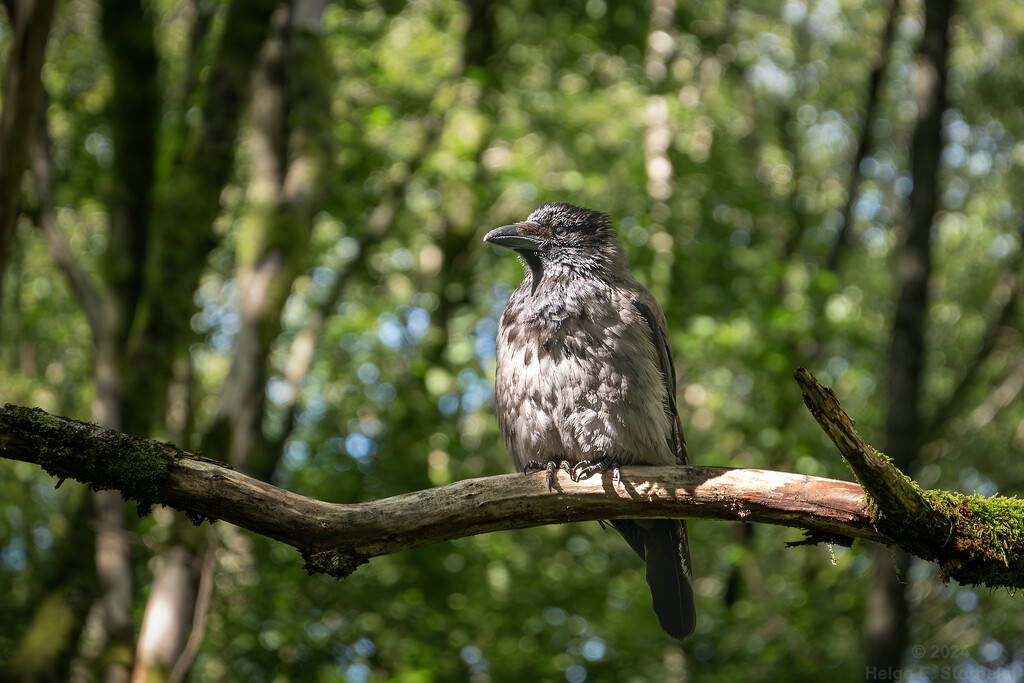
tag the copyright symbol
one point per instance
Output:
(917, 651)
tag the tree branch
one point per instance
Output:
(874, 98)
(974, 540)
(152, 472)
(890, 488)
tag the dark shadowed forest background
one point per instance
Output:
(254, 229)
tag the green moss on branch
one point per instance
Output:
(101, 458)
(984, 540)
(973, 539)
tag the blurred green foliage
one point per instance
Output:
(720, 142)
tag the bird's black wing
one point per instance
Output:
(668, 374)
(662, 543)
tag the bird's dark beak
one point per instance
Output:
(516, 237)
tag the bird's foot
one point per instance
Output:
(549, 467)
(585, 468)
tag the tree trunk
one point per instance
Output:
(22, 93)
(289, 162)
(182, 235)
(168, 615)
(283, 196)
(887, 609)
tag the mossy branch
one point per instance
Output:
(974, 540)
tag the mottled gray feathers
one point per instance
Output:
(585, 374)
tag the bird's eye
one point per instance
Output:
(561, 230)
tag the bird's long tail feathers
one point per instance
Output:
(662, 544)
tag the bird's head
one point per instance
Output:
(561, 237)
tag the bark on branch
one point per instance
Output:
(970, 537)
(975, 540)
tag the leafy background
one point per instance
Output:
(760, 182)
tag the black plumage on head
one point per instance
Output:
(559, 237)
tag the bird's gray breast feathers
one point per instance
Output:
(578, 378)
